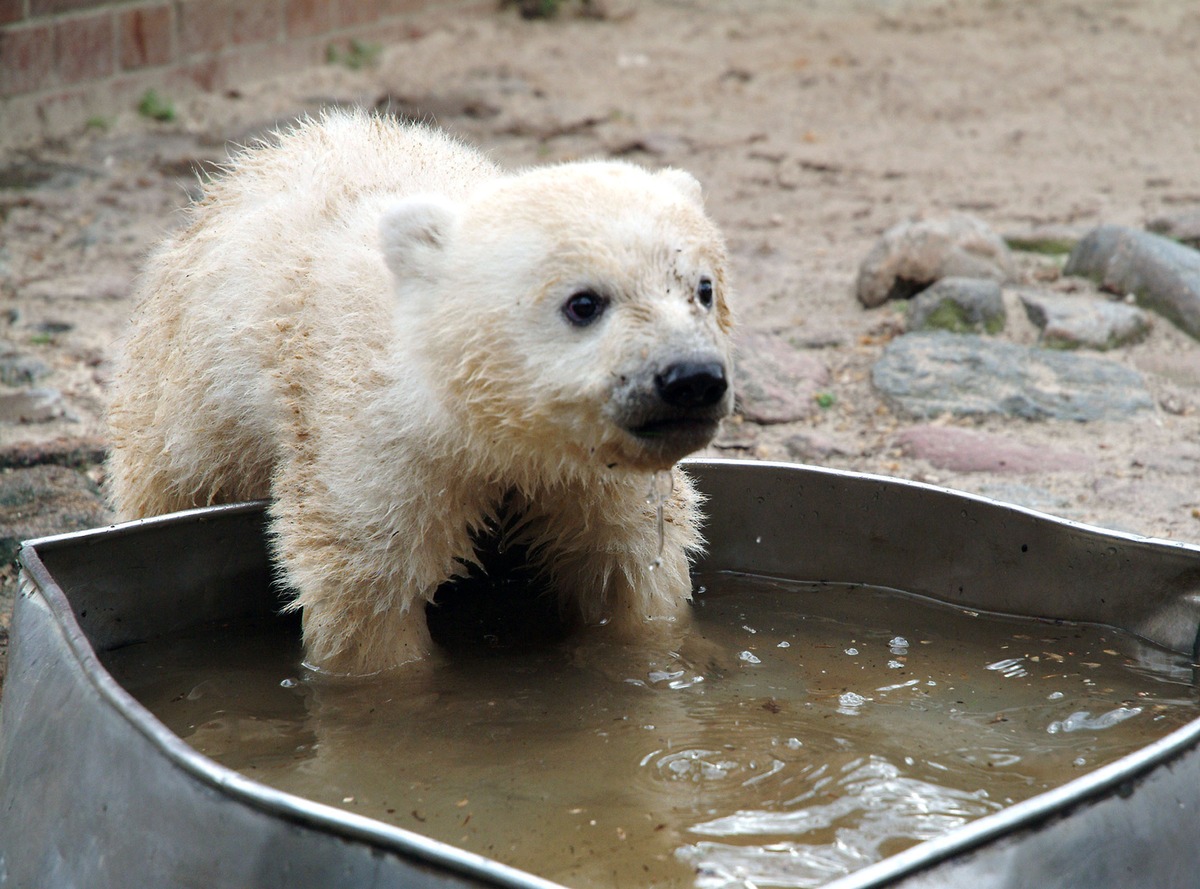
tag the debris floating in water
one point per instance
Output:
(662, 486)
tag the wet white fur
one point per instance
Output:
(363, 322)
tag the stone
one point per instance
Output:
(928, 374)
(776, 382)
(44, 500)
(1074, 322)
(912, 255)
(959, 305)
(1047, 239)
(17, 369)
(965, 450)
(31, 406)
(1183, 227)
(1162, 274)
(814, 445)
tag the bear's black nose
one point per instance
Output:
(690, 384)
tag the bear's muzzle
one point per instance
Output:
(678, 409)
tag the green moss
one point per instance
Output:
(156, 107)
(1048, 246)
(356, 56)
(950, 316)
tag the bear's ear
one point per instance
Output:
(414, 232)
(685, 183)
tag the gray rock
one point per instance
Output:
(813, 445)
(31, 406)
(1073, 322)
(1183, 226)
(17, 369)
(1163, 274)
(776, 382)
(959, 305)
(929, 374)
(914, 254)
(965, 450)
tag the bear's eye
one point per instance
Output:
(584, 307)
(704, 292)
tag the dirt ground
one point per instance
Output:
(813, 125)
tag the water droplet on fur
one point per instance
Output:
(662, 486)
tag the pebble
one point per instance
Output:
(965, 450)
(1184, 226)
(32, 406)
(914, 254)
(776, 382)
(1163, 274)
(928, 374)
(17, 369)
(959, 305)
(805, 446)
(1074, 322)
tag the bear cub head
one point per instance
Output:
(573, 314)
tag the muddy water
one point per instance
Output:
(803, 732)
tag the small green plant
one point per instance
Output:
(825, 400)
(98, 122)
(41, 339)
(156, 107)
(357, 55)
(535, 9)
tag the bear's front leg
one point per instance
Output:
(603, 555)
(362, 586)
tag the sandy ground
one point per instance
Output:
(813, 125)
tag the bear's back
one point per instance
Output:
(344, 156)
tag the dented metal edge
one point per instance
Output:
(201, 768)
(1104, 533)
(1113, 779)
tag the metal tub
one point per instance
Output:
(95, 792)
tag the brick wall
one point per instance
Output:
(63, 62)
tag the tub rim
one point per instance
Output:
(1116, 778)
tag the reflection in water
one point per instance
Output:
(803, 731)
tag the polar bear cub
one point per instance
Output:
(404, 347)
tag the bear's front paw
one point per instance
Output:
(358, 642)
